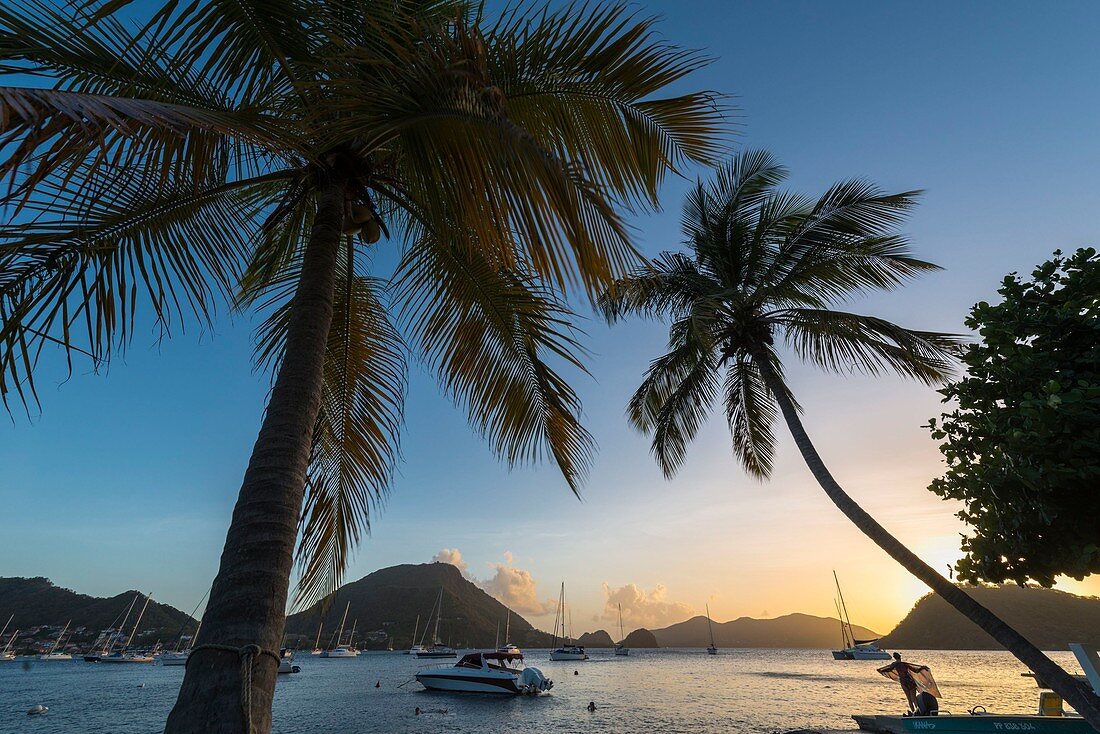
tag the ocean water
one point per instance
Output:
(650, 691)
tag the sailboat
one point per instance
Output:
(621, 648)
(712, 649)
(108, 637)
(178, 656)
(567, 650)
(854, 649)
(317, 643)
(341, 650)
(123, 655)
(53, 654)
(416, 646)
(437, 648)
(508, 647)
(8, 653)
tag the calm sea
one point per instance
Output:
(651, 691)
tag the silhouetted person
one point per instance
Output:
(591, 705)
(903, 673)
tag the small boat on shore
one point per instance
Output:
(486, 672)
(286, 662)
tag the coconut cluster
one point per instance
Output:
(359, 219)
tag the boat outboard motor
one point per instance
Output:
(927, 705)
(532, 680)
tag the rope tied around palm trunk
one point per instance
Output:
(247, 656)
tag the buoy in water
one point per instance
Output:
(37, 710)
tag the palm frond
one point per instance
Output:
(492, 334)
(678, 390)
(75, 275)
(671, 285)
(751, 412)
(843, 342)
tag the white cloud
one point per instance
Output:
(650, 609)
(452, 556)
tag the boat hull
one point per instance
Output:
(960, 724)
(870, 655)
(127, 659)
(173, 660)
(479, 682)
(842, 655)
(562, 655)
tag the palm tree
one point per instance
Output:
(769, 266)
(260, 151)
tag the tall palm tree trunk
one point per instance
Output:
(248, 599)
(1081, 698)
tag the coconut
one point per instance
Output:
(372, 232)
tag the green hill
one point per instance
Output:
(791, 630)
(386, 604)
(1050, 619)
(599, 638)
(641, 638)
(37, 601)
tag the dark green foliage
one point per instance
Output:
(36, 601)
(1051, 619)
(1023, 446)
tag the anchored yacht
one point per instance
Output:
(566, 650)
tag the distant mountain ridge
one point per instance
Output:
(37, 601)
(1048, 618)
(790, 630)
(386, 603)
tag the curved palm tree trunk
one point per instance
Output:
(1081, 698)
(248, 599)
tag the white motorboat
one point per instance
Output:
(853, 649)
(54, 654)
(286, 662)
(341, 651)
(621, 648)
(712, 649)
(437, 649)
(566, 650)
(486, 672)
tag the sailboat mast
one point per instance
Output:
(11, 640)
(621, 635)
(138, 622)
(351, 639)
(497, 643)
(844, 608)
(508, 626)
(320, 626)
(416, 629)
(195, 636)
(710, 627)
(6, 625)
(58, 640)
(340, 635)
(843, 629)
(438, 614)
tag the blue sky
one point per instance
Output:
(126, 479)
